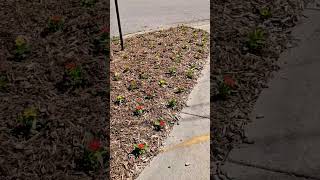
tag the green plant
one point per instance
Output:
(159, 124)
(172, 103)
(179, 90)
(133, 85)
(21, 48)
(139, 149)
(56, 23)
(101, 42)
(143, 76)
(256, 39)
(126, 69)
(178, 58)
(149, 95)
(116, 76)
(88, 3)
(139, 110)
(225, 86)
(27, 120)
(190, 73)
(162, 83)
(120, 100)
(265, 13)
(94, 155)
(3, 83)
(173, 71)
(75, 74)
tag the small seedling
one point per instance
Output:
(139, 110)
(116, 76)
(256, 39)
(120, 100)
(75, 75)
(172, 103)
(190, 73)
(88, 3)
(173, 71)
(56, 23)
(3, 83)
(162, 83)
(265, 13)
(94, 155)
(27, 121)
(159, 124)
(139, 149)
(179, 90)
(143, 76)
(21, 48)
(133, 85)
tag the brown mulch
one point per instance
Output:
(53, 149)
(151, 55)
(232, 21)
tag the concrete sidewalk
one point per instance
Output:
(287, 139)
(186, 155)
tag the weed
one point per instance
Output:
(190, 73)
(3, 83)
(143, 76)
(256, 39)
(172, 103)
(116, 76)
(179, 90)
(265, 13)
(21, 48)
(162, 83)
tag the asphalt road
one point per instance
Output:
(138, 15)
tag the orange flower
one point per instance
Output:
(139, 108)
(141, 146)
(228, 80)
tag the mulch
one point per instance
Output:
(146, 60)
(251, 70)
(55, 146)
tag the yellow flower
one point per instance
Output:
(20, 41)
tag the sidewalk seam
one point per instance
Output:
(194, 115)
(273, 170)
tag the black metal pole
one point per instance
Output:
(119, 24)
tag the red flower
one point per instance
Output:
(56, 18)
(228, 80)
(139, 108)
(141, 146)
(162, 123)
(104, 30)
(70, 66)
(94, 145)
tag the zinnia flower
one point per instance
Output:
(56, 18)
(94, 145)
(228, 80)
(162, 123)
(105, 29)
(139, 108)
(141, 146)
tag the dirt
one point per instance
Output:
(146, 60)
(250, 69)
(36, 84)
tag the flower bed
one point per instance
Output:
(248, 39)
(53, 90)
(152, 78)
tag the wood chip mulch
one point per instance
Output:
(232, 22)
(176, 56)
(44, 125)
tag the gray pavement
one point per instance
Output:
(287, 139)
(186, 154)
(138, 15)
